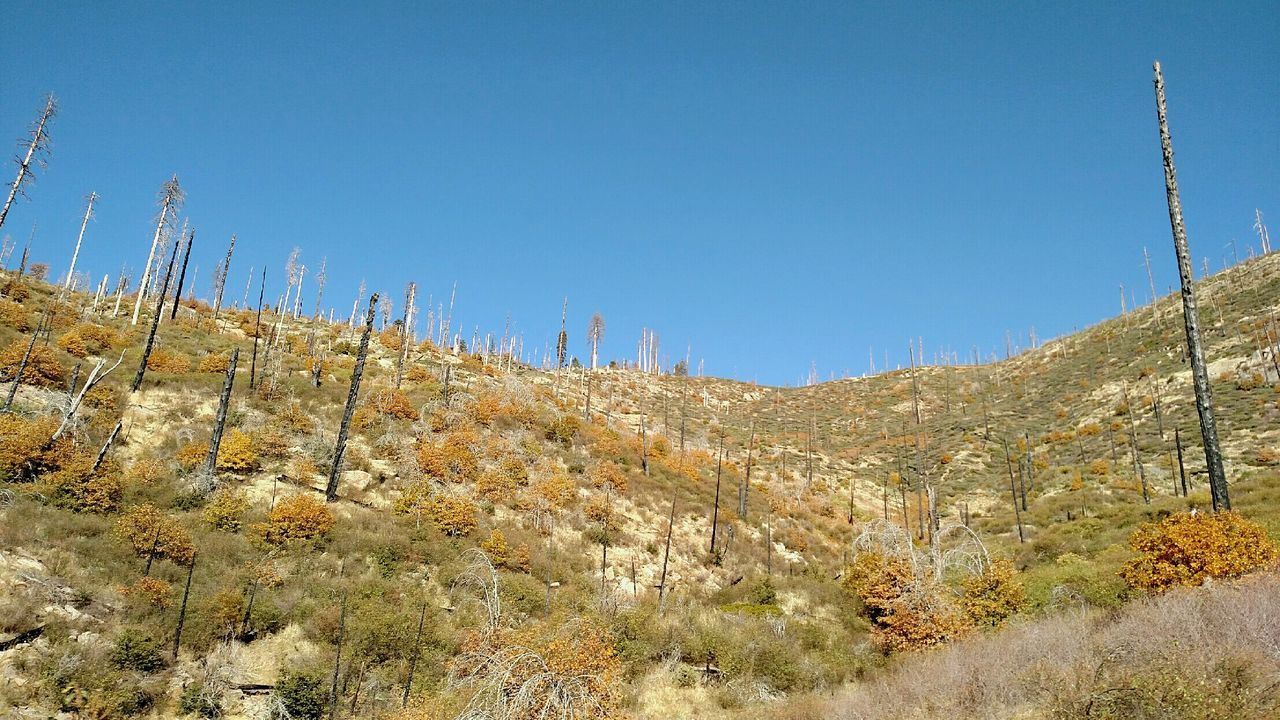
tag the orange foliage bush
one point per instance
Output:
(14, 315)
(236, 452)
(168, 361)
(503, 555)
(215, 363)
(150, 533)
(1185, 549)
(151, 591)
(391, 338)
(88, 339)
(903, 615)
(225, 509)
(43, 369)
(454, 516)
(495, 486)
(299, 518)
(451, 459)
(22, 445)
(292, 419)
(394, 403)
(76, 485)
(992, 597)
(607, 475)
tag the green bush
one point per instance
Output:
(194, 701)
(135, 651)
(302, 696)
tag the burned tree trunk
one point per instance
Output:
(666, 555)
(257, 330)
(106, 446)
(182, 611)
(22, 365)
(337, 661)
(413, 659)
(220, 281)
(715, 509)
(1199, 371)
(182, 275)
(1182, 469)
(211, 462)
(746, 481)
(331, 492)
(35, 148)
(1017, 514)
(155, 324)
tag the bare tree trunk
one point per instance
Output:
(106, 446)
(182, 611)
(182, 276)
(1133, 446)
(1182, 469)
(715, 512)
(337, 661)
(26, 358)
(1013, 490)
(1199, 371)
(211, 462)
(39, 140)
(257, 330)
(331, 492)
(155, 324)
(75, 254)
(746, 482)
(666, 555)
(405, 336)
(413, 659)
(220, 281)
(171, 196)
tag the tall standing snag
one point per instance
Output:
(171, 197)
(215, 442)
(1199, 373)
(155, 324)
(75, 254)
(331, 492)
(37, 148)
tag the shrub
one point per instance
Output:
(495, 486)
(294, 420)
(151, 591)
(133, 650)
(454, 516)
(196, 700)
(452, 459)
(992, 596)
(905, 615)
(22, 443)
(503, 555)
(1189, 548)
(214, 363)
(43, 369)
(236, 452)
(414, 500)
(393, 403)
(605, 474)
(302, 696)
(88, 339)
(14, 315)
(297, 518)
(226, 508)
(152, 534)
(76, 485)
(563, 428)
(168, 361)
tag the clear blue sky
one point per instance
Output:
(776, 184)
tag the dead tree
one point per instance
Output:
(1138, 470)
(155, 324)
(37, 153)
(715, 509)
(1182, 469)
(1013, 490)
(220, 279)
(95, 376)
(413, 659)
(666, 555)
(75, 254)
(1199, 371)
(182, 275)
(562, 343)
(337, 660)
(182, 611)
(106, 446)
(331, 491)
(406, 338)
(220, 420)
(595, 331)
(26, 358)
(170, 200)
(746, 482)
(257, 330)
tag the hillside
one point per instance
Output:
(565, 481)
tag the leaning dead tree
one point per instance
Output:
(220, 420)
(220, 278)
(37, 153)
(170, 200)
(331, 491)
(75, 254)
(406, 337)
(182, 275)
(155, 324)
(1199, 372)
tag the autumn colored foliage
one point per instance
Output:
(297, 518)
(1185, 549)
(151, 533)
(43, 368)
(168, 361)
(88, 339)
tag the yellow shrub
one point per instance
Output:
(454, 516)
(225, 509)
(236, 452)
(215, 363)
(607, 475)
(88, 339)
(391, 338)
(43, 369)
(168, 361)
(992, 597)
(76, 485)
(451, 459)
(151, 591)
(190, 455)
(294, 420)
(1187, 549)
(14, 315)
(495, 486)
(394, 403)
(414, 500)
(297, 518)
(144, 471)
(22, 445)
(150, 533)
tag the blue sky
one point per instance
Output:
(774, 184)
